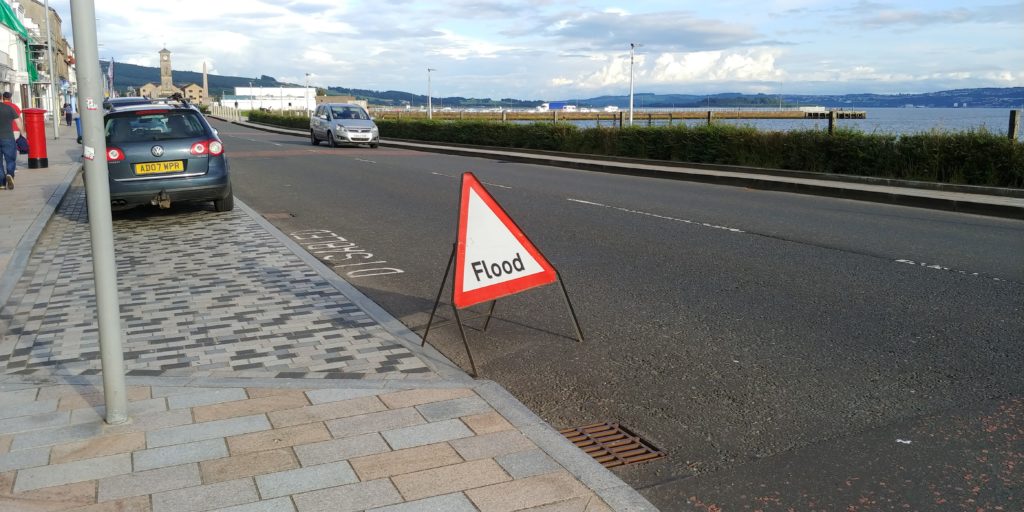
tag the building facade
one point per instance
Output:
(195, 93)
(26, 50)
(272, 98)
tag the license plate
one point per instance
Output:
(160, 167)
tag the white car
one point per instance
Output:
(343, 124)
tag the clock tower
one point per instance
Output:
(165, 88)
(165, 70)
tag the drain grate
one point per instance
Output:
(611, 444)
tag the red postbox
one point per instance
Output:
(35, 132)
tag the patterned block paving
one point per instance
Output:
(201, 294)
(243, 464)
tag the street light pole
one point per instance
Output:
(430, 104)
(53, 78)
(305, 92)
(101, 227)
(632, 48)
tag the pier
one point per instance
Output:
(621, 117)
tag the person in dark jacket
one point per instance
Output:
(68, 113)
(10, 120)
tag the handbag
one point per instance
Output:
(22, 143)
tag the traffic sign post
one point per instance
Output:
(493, 259)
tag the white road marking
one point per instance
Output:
(947, 269)
(736, 230)
(338, 252)
(364, 160)
(648, 214)
(261, 141)
(484, 182)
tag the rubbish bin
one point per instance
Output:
(78, 126)
(35, 128)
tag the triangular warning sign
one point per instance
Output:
(494, 258)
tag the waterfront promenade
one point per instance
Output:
(994, 201)
(620, 117)
(257, 380)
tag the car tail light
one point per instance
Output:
(212, 147)
(114, 155)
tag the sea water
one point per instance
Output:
(899, 121)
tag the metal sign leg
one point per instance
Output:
(438, 299)
(575, 321)
(490, 312)
(465, 341)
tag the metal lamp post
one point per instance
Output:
(632, 49)
(101, 229)
(305, 92)
(53, 77)
(430, 104)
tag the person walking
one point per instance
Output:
(10, 122)
(7, 101)
(68, 113)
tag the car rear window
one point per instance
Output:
(153, 125)
(348, 113)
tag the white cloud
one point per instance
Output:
(459, 47)
(614, 72)
(751, 65)
(538, 48)
(317, 55)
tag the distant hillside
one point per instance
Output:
(131, 76)
(1006, 97)
(401, 98)
(1009, 97)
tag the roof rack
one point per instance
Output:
(174, 99)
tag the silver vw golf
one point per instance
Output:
(163, 153)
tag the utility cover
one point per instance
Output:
(494, 258)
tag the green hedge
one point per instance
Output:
(972, 157)
(276, 118)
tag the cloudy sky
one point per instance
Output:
(561, 49)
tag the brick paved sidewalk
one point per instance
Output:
(196, 445)
(339, 407)
(201, 293)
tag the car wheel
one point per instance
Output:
(374, 145)
(312, 138)
(334, 141)
(226, 204)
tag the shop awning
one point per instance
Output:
(9, 19)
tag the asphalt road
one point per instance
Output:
(784, 350)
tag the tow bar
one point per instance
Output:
(162, 200)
